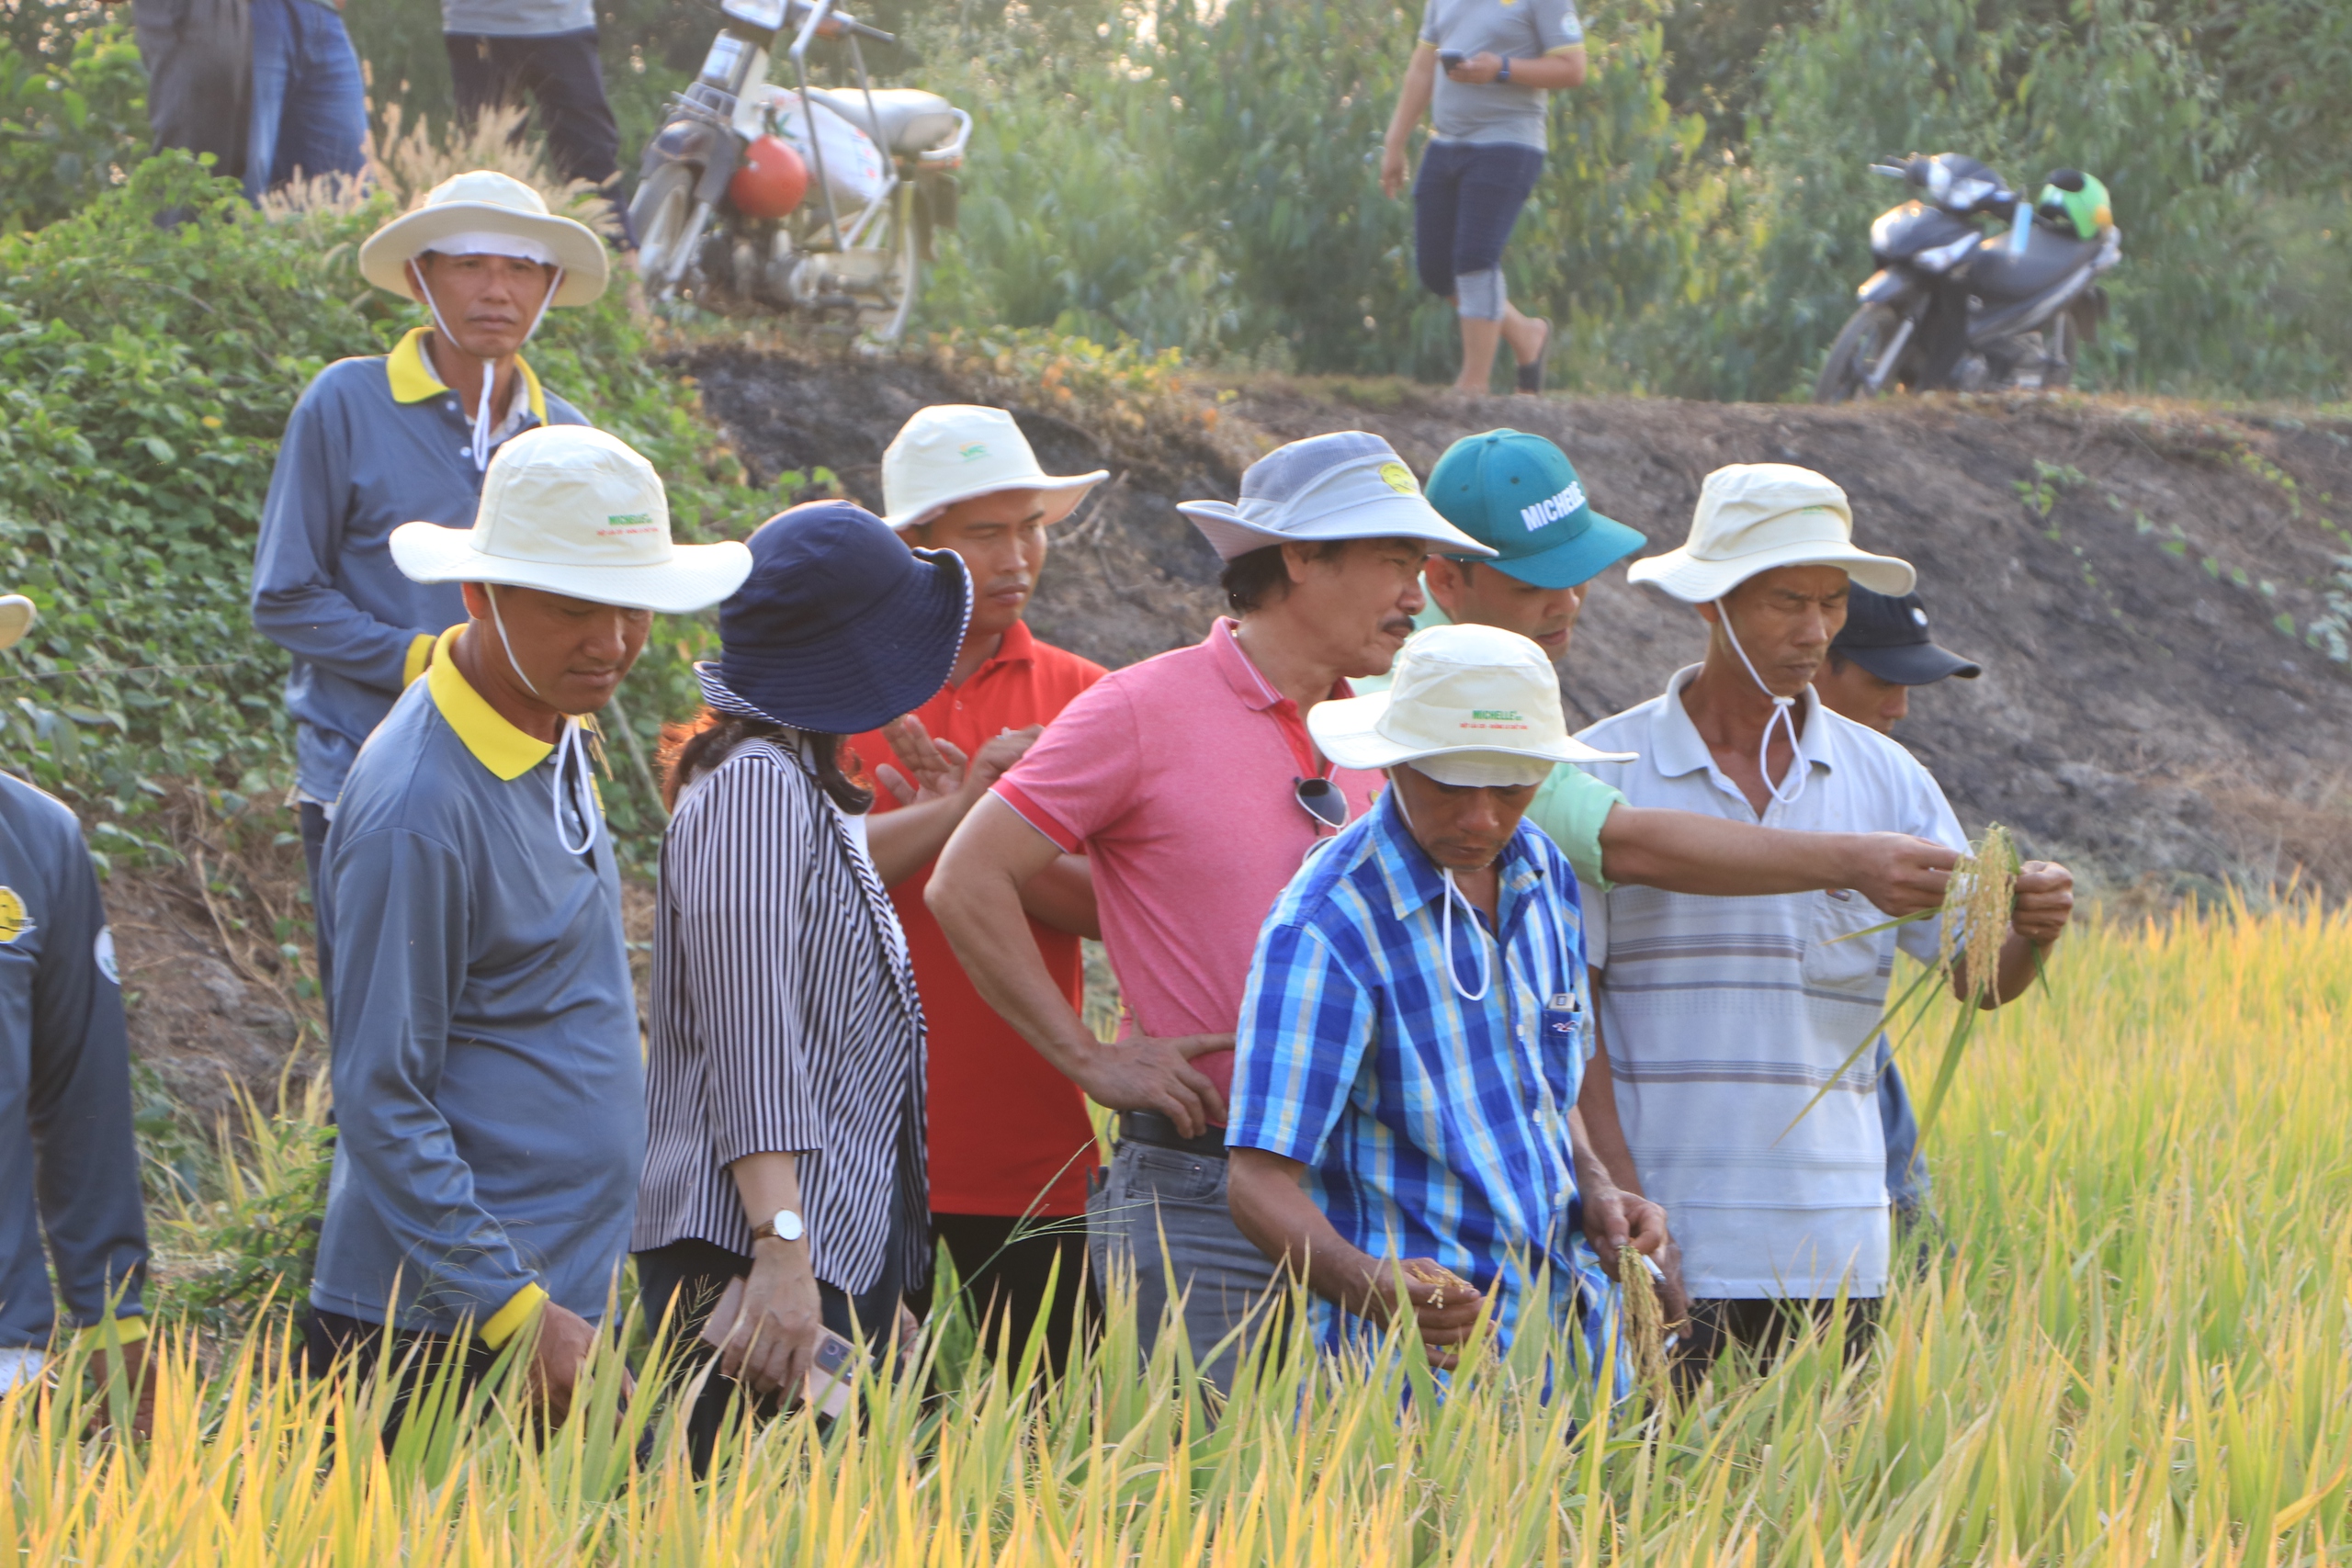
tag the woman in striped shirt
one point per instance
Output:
(786, 1071)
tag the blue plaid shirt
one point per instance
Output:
(1430, 1125)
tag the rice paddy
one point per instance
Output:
(2135, 1351)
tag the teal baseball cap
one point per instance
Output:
(1519, 495)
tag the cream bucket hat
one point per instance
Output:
(15, 619)
(486, 213)
(1753, 517)
(1481, 702)
(952, 452)
(570, 509)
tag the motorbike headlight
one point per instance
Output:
(1943, 258)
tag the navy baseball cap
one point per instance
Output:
(1519, 495)
(1888, 637)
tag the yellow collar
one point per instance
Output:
(413, 381)
(496, 744)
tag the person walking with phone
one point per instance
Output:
(488, 1088)
(1191, 785)
(1483, 70)
(785, 1071)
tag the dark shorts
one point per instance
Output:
(1465, 199)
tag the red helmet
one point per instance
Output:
(770, 181)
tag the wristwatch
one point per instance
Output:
(785, 1227)
(1503, 74)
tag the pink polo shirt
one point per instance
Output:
(1176, 777)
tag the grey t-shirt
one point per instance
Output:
(1515, 29)
(518, 19)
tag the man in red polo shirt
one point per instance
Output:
(1012, 1148)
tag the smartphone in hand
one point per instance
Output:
(1449, 58)
(831, 1377)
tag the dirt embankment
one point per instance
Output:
(2122, 572)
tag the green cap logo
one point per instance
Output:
(1507, 716)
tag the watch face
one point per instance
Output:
(788, 1225)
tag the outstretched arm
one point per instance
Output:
(1688, 851)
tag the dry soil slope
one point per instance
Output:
(2141, 713)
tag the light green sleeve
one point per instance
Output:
(1570, 808)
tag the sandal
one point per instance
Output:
(1530, 375)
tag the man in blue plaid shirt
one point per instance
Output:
(1403, 1129)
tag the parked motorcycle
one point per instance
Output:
(819, 201)
(1953, 307)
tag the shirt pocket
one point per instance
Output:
(1836, 957)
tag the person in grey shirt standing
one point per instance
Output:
(1483, 69)
(69, 1165)
(397, 438)
(501, 51)
(487, 1080)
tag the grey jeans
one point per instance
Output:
(1161, 1215)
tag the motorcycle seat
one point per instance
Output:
(1996, 276)
(905, 120)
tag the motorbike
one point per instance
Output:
(810, 200)
(1954, 308)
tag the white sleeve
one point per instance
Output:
(1930, 816)
(1596, 924)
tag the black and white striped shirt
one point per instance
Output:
(785, 1020)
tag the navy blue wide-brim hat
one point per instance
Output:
(839, 627)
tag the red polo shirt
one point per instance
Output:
(1009, 1134)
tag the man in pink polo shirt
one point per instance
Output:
(1191, 785)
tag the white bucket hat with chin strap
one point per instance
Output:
(567, 508)
(1757, 518)
(953, 452)
(485, 213)
(1471, 706)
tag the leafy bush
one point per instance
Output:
(73, 114)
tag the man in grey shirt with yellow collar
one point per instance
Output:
(487, 1075)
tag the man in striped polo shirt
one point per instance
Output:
(1722, 1018)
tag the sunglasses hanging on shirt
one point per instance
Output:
(1323, 800)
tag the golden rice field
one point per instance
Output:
(2140, 1356)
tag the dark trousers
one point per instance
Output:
(1465, 201)
(199, 59)
(1006, 1280)
(565, 82)
(685, 1279)
(313, 817)
(1765, 1325)
(431, 1365)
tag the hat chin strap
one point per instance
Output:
(1445, 921)
(1781, 716)
(569, 748)
(481, 446)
